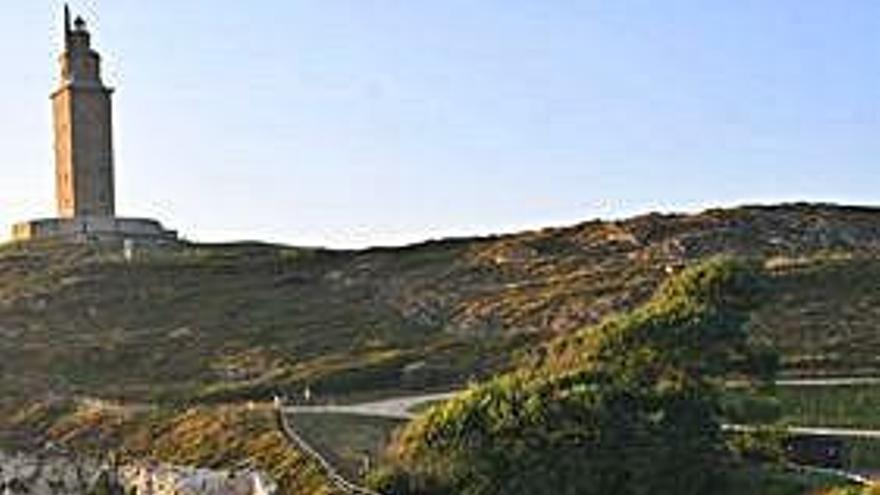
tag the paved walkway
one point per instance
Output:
(398, 408)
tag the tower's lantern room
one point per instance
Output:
(79, 63)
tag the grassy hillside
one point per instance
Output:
(824, 313)
(222, 323)
(231, 321)
(633, 405)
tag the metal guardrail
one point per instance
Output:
(333, 474)
(851, 477)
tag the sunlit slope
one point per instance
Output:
(244, 320)
(222, 437)
(824, 314)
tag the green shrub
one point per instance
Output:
(630, 407)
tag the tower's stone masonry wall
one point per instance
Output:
(92, 152)
(64, 177)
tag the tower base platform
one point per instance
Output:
(94, 229)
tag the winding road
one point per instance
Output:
(402, 408)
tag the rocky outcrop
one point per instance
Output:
(62, 474)
(44, 474)
(163, 479)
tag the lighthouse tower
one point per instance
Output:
(83, 129)
(85, 193)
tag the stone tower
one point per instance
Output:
(85, 196)
(83, 129)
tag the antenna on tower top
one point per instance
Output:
(67, 28)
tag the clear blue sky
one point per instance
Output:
(356, 122)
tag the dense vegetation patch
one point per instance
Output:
(855, 406)
(633, 406)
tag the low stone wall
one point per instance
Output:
(87, 229)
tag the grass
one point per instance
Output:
(424, 406)
(244, 321)
(839, 406)
(864, 455)
(347, 441)
(781, 481)
(216, 437)
(824, 314)
(226, 323)
(856, 407)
